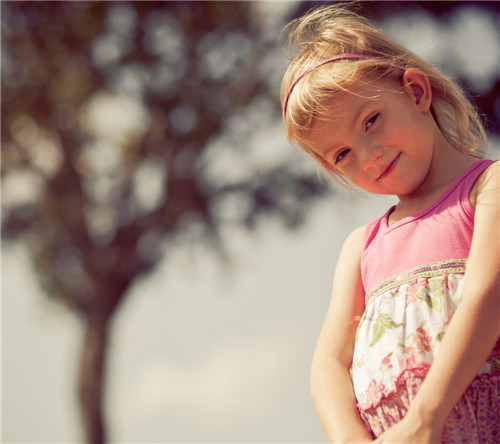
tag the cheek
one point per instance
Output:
(359, 179)
(348, 171)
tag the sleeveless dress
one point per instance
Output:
(413, 274)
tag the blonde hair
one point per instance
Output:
(334, 30)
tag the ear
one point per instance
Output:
(418, 88)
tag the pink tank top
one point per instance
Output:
(440, 232)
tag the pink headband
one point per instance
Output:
(348, 55)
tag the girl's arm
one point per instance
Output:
(472, 332)
(331, 386)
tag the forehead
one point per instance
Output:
(338, 108)
(346, 104)
(341, 113)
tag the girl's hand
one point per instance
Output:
(407, 432)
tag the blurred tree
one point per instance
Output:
(128, 126)
(115, 119)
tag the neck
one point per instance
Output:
(447, 164)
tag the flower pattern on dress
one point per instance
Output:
(421, 339)
(408, 359)
(381, 324)
(397, 339)
(416, 289)
(373, 391)
(493, 360)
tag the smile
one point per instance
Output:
(388, 168)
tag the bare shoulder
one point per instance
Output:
(486, 239)
(486, 191)
(354, 241)
(347, 302)
(490, 176)
(347, 272)
(484, 258)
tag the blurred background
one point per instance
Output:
(166, 255)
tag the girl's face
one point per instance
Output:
(381, 137)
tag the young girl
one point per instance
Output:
(409, 351)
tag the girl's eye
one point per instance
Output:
(341, 155)
(371, 121)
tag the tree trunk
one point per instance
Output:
(91, 380)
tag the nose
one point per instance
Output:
(370, 155)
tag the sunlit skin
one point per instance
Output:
(384, 139)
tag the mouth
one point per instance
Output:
(388, 168)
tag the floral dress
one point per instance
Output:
(406, 315)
